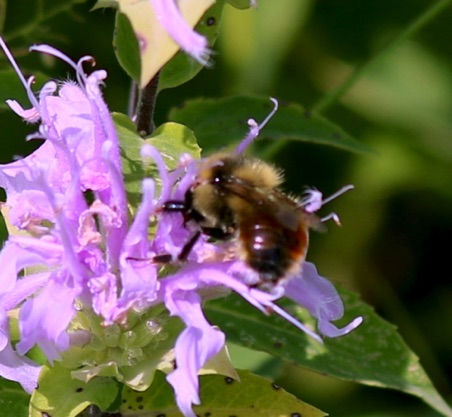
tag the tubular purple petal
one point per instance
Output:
(95, 261)
(39, 325)
(194, 347)
(25, 83)
(320, 298)
(148, 151)
(45, 194)
(138, 274)
(191, 42)
(255, 128)
(19, 369)
(50, 50)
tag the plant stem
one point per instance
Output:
(146, 107)
(415, 26)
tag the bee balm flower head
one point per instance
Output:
(207, 266)
(83, 256)
(81, 248)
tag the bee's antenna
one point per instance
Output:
(255, 128)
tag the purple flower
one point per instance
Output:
(194, 44)
(82, 251)
(85, 258)
(210, 267)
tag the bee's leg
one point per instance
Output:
(166, 258)
(183, 255)
(163, 259)
(217, 233)
(180, 206)
(184, 207)
(175, 206)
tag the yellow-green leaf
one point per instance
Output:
(159, 46)
(252, 396)
(59, 395)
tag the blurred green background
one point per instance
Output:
(395, 242)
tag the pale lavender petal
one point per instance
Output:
(194, 347)
(320, 298)
(104, 291)
(13, 260)
(255, 128)
(191, 172)
(13, 291)
(312, 202)
(24, 82)
(47, 49)
(46, 249)
(330, 330)
(24, 288)
(30, 115)
(171, 19)
(17, 176)
(41, 325)
(138, 274)
(29, 209)
(107, 135)
(18, 368)
(148, 151)
(315, 293)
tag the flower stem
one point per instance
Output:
(146, 107)
(415, 26)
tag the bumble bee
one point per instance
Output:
(239, 197)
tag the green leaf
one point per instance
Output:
(3, 4)
(182, 68)
(100, 4)
(171, 139)
(221, 122)
(221, 396)
(13, 89)
(156, 45)
(59, 395)
(126, 47)
(36, 21)
(373, 354)
(240, 4)
(13, 399)
(132, 166)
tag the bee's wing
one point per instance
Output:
(271, 203)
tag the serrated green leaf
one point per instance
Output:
(171, 139)
(182, 68)
(59, 395)
(221, 122)
(374, 354)
(221, 396)
(126, 47)
(13, 399)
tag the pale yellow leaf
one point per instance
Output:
(156, 45)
